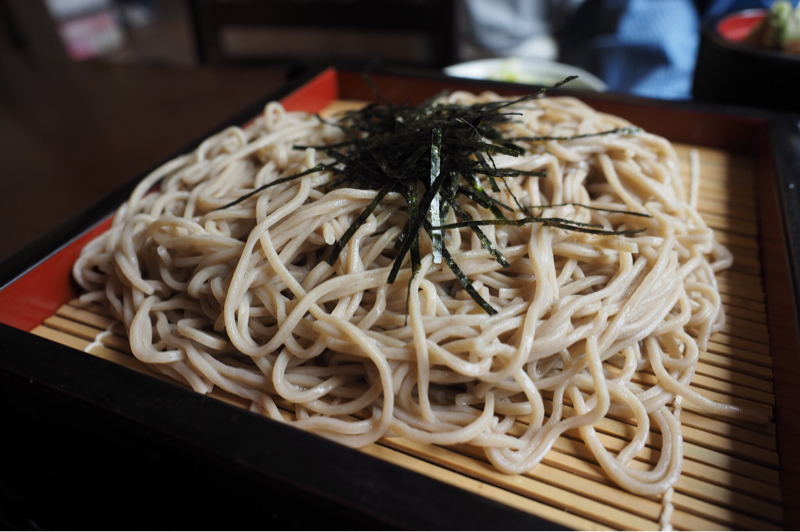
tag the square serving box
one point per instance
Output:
(93, 443)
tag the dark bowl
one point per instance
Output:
(730, 71)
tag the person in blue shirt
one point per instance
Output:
(642, 47)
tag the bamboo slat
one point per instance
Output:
(730, 478)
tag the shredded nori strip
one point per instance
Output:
(432, 155)
(437, 236)
(618, 131)
(562, 223)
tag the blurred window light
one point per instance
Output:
(88, 28)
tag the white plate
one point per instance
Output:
(526, 70)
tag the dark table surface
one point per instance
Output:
(70, 135)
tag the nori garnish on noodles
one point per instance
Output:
(431, 155)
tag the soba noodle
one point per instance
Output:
(242, 298)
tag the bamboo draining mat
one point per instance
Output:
(730, 476)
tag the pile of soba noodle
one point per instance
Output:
(243, 298)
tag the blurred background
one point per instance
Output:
(95, 92)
